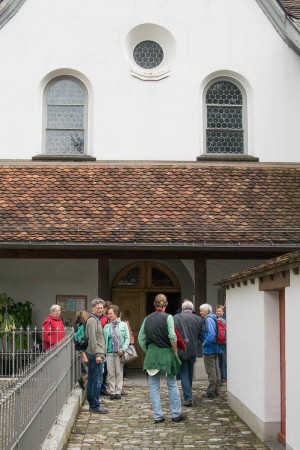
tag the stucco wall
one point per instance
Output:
(292, 315)
(155, 120)
(253, 357)
(39, 281)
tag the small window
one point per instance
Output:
(65, 133)
(148, 54)
(224, 111)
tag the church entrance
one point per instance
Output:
(134, 289)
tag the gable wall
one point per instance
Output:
(292, 315)
(134, 119)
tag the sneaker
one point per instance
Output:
(117, 397)
(159, 420)
(113, 397)
(99, 410)
(179, 418)
(188, 403)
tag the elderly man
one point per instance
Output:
(211, 350)
(158, 340)
(190, 328)
(95, 354)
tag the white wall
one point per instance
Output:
(253, 357)
(292, 317)
(156, 120)
(39, 281)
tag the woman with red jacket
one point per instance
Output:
(53, 328)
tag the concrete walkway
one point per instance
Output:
(129, 424)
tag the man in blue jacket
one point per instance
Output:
(211, 350)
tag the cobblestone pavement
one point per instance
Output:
(129, 424)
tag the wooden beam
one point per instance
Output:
(200, 282)
(103, 278)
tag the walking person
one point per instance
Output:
(53, 328)
(116, 336)
(95, 353)
(211, 350)
(190, 328)
(158, 340)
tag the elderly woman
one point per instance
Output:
(116, 336)
(53, 328)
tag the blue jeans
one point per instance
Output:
(174, 396)
(186, 377)
(223, 362)
(94, 382)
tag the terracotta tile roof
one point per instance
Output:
(150, 204)
(292, 8)
(268, 267)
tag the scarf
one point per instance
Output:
(116, 335)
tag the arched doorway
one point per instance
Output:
(134, 289)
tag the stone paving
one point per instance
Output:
(211, 424)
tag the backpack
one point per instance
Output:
(220, 331)
(80, 340)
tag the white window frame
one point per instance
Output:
(244, 115)
(45, 115)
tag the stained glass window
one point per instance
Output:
(65, 117)
(148, 54)
(224, 134)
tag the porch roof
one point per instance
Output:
(269, 267)
(161, 204)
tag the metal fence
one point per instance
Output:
(34, 389)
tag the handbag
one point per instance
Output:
(129, 355)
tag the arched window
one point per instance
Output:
(66, 110)
(225, 121)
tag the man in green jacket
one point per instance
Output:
(158, 340)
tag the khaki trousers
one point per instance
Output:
(114, 373)
(211, 363)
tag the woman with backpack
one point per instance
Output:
(223, 355)
(79, 336)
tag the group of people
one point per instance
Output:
(108, 339)
(171, 345)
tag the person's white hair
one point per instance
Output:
(54, 308)
(96, 301)
(206, 307)
(187, 304)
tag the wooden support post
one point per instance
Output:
(200, 282)
(103, 278)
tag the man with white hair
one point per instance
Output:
(211, 350)
(190, 328)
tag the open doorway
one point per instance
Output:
(174, 302)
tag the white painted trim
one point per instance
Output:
(282, 22)
(9, 10)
